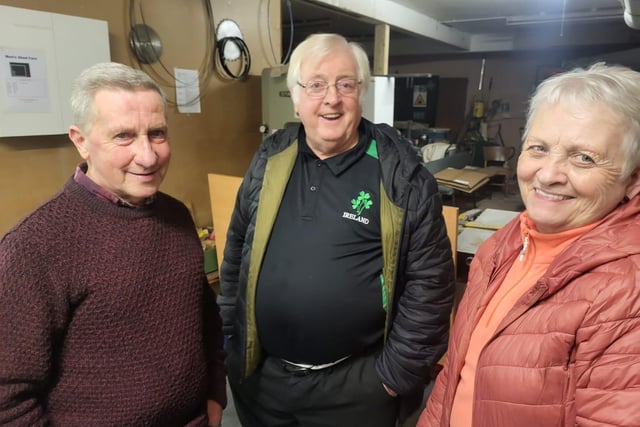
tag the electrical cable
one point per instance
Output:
(564, 9)
(204, 69)
(290, 49)
(229, 33)
(245, 55)
(273, 53)
(270, 37)
(204, 65)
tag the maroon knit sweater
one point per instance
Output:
(106, 317)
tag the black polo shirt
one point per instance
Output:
(319, 294)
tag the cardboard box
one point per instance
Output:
(467, 180)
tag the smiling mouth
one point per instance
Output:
(333, 116)
(144, 174)
(549, 196)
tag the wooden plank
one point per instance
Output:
(222, 193)
(381, 50)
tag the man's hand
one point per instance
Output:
(214, 411)
(389, 391)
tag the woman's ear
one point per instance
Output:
(633, 186)
(77, 137)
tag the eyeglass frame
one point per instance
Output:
(328, 85)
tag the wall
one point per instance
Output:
(508, 78)
(221, 139)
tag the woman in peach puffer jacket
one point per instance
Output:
(548, 331)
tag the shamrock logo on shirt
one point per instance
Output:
(362, 202)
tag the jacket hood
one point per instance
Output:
(615, 238)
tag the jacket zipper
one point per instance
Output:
(524, 247)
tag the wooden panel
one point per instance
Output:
(222, 139)
(450, 214)
(381, 50)
(222, 192)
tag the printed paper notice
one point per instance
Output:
(24, 75)
(187, 90)
(420, 96)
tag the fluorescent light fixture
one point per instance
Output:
(568, 17)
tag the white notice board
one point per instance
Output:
(41, 53)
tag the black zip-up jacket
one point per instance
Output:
(417, 267)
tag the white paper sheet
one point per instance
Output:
(187, 90)
(493, 219)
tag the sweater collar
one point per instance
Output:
(610, 239)
(548, 245)
(81, 178)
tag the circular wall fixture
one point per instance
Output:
(145, 43)
(229, 30)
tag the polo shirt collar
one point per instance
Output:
(340, 162)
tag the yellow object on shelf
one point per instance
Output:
(478, 109)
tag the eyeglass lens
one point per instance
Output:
(321, 87)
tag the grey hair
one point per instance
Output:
(106, 75)
(614, 86)
(317, 46)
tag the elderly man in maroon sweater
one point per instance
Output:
(106, 317)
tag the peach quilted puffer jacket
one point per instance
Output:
(568, 354)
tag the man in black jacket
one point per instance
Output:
(336, 284)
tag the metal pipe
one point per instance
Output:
(632, 13)
(481, 75)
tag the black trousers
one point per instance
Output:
(349, 394)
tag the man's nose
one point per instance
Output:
(145, 154)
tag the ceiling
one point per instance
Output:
(435, 28)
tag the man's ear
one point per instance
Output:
(633, 187)
(77, 137)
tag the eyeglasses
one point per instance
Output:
(319, 88)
